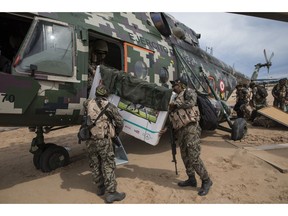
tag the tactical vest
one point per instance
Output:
(103, 127)
(182, 117)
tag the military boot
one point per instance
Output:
(206, 184)
(100, 190)
(191, 181)
(116, 196)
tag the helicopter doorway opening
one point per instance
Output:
(105, 52)
(102, 51)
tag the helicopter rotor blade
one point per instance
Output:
(265, 55)
(271, 57)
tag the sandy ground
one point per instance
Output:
(149, 177)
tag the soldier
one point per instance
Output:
(242, 99)
(246, 98)
(280, 94)
(184, 119)
(236, 107)
(258, 99)
(97, 57)
(100, 147)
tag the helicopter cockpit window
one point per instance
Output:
(49, 48)
(140, 70)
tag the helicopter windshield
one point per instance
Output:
(49, 47)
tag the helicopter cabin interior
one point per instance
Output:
(13, 31)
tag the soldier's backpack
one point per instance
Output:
(209, 118)
(84, 130)
(262, 91)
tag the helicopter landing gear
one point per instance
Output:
(37, 154)
(53, 157)
(239, 129)
(47, 157)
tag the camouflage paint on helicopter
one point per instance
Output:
(147, 47)
(138, 29)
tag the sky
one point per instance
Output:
(240, 40)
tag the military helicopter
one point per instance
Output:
(44, 68)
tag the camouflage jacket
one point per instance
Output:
(280, 92)
(184, 110)
(190, 99)
(242, 94)
(257, 101)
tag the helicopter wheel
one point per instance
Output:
(38, 153)
(239, 129)
(53, 157)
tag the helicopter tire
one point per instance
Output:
(239, 129)
(38, 153)
(54, 157)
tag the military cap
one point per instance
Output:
(101, 45)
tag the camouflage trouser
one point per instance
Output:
(102, 162)
(246, 112)
(188, 139)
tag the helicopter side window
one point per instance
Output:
(49, 48)
(141, 70)
(164, 77)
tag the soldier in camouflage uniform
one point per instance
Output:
(100, 147)
(242, 99)
(280, 94)
(257, 101)
(99, 51)
(184, 119)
